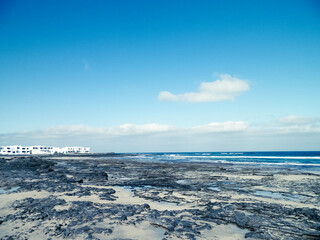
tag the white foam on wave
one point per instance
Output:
(234, 158)
(260, 163)
(249, 157)
(232, 153)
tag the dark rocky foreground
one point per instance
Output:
(80, 198)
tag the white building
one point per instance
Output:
(41, 150)
(75, 150)
(15, 149)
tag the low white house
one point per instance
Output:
(41, 150)
(15, 149)
(75, 149)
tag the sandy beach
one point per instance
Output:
(109, 198)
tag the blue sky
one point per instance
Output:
(147, 75)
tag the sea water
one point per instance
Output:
(308, 161)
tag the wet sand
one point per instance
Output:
(81, 197)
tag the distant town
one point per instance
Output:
(41, 150)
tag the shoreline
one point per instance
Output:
(94, 198)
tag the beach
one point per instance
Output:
(112, 197)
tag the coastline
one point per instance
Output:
(84, 197)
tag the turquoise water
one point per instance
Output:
(2, 191)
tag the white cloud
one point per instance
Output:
(225, 88)
(288, 133)
(222, 127)
(121, 130)
(298, 124)
(293, 119)
(76, 134)
(131, 129)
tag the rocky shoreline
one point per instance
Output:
(103, 197)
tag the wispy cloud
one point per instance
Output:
(293, 119)
(298, 124)
(225, 88)
(82, 133)
(220, 127)
(77, 130)
(287, 133)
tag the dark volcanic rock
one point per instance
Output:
(203, 186)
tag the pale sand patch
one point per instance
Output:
(21, 226)
(242, 197)
(271, 189)
(141, 231)
(237, 176)
(92, 198)
(125, 197)
(282, 190)
(62, 207)
(162, 195)
(297, 177)
(187, 198)
(224, 232)
(126, 178)
(72, 158)
(6, 200)
(253, 177)
(31, 180)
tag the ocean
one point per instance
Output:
(308, 161)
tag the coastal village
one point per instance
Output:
(41, 150)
